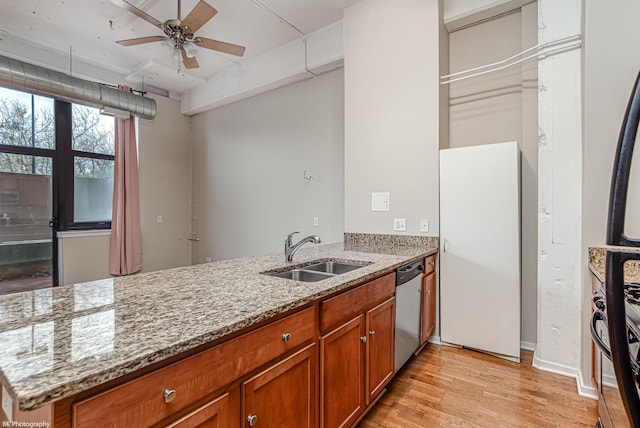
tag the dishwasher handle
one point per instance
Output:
(406, 273)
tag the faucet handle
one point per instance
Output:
(289, 236)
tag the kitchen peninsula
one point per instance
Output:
(95, 344)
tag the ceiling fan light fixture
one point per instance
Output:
(177, 55)
(167, 44)
(190, 50)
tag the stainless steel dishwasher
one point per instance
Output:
(408, 293)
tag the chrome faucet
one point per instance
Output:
(290, 249)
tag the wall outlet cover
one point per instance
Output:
(424, 225)
(400, 224)
(316, 222)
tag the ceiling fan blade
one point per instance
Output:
(189, 62)
(140, 13)
(199, 16)
(217, 45)
(140, 40)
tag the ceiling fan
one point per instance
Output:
(179, 34)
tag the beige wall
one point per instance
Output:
(611, 65)
(164, 157)
(499, 107)
(250, 157)
(391, 113)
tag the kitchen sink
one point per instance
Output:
(317, 270)
(333, 267)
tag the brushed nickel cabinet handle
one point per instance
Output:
(372, 332)
(364, 339)
(253, 420)
(169, 395)
(286, 337)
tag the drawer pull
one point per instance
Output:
(169, 395)
(428, 291)
(364, 339)
(432, 263)
(372, 333)
(286, 337)
(253, 420)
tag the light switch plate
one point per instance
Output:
(316, 222)
(424, 225)
(400, 224)
(380, 201)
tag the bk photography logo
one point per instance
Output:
(12, 424)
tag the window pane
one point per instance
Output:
(91, 131)
(93, 189)
(25, 209)
(26, 120)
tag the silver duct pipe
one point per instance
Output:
(26, 77)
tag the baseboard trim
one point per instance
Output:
(528, 346)
(556, 368)
(584, 390)
(435, 339)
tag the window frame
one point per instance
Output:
(65, 172)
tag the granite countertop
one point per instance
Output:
(59, 341)
(597, 261)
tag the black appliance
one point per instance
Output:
(616, 308)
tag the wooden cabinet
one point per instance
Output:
(381, 322)
(215, 414)
(172, 390)
(342, 355)
(285, 394)
(356, 350)
(428, 300)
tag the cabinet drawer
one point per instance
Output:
(141, 402)
(430, 264)
(337, 310)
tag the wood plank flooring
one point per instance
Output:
(451, 387)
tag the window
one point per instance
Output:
(56, 173)
(92, 146)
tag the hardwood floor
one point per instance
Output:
(450, 387)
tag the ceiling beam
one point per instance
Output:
(278, 67)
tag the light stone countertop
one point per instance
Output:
(597, 262)
(59, 341)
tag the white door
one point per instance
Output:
(480, 248)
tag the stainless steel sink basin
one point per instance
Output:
(316, 270)
(333, 267)
(302, 275)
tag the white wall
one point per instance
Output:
(500, 107)
(560, 189)
(164, 161)
(250, 157)
(609, 74)
(391, 113)
(461, 13)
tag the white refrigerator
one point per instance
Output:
(480, 248)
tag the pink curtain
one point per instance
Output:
(125, 255)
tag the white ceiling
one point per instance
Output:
(89, 28)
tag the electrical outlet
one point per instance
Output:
(316, 222)
(207, 259)
(400, 224)
(424, 225)
(159, 219)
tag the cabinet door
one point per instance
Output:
(342, 354)
(428, 317)
(381, 322)
(285, 394)
(214, 414)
